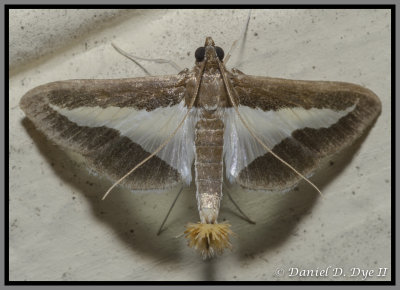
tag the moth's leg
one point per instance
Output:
(156, 60)
(244, 216)
(169, 211)
(242, 40)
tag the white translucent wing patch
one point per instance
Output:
(148, 129)
(240, 147)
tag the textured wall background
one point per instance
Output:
(61, 230)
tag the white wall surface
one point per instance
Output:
(61, 230)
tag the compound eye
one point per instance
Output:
(220, 53)
(200, 53)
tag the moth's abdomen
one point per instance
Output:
(209, 142)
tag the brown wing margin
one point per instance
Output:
(305, 149)
(104, 149)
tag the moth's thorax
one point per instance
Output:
(212, 92)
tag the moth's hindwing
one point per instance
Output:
(302, 121)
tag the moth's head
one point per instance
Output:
(209, 52)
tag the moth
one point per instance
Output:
(261, 133)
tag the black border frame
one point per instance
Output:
(392, 7)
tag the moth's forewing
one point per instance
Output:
(302, 121)
(115, 124)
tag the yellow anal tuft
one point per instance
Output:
(208, 239)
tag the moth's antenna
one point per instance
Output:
(228, 55)
(223, 73)
(244, 36)
(196, 91)
(242, 39)
(156, 60)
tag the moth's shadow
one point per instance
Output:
(129, 215)
(283, 212)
